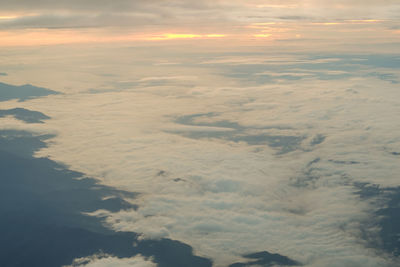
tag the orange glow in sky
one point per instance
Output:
(261, 25)
(54, 37)
(170, 36)
(262, 35)
(47, 23)
(364, 20)
(8, 16)
(277, 6)
(353, 21)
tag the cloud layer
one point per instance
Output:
(197, 148)
(123, 20)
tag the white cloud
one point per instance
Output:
(228, 198)
(103, 260)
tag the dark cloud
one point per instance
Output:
(47, 21)
(3, 74)
(52, 21)
(108, 6)
(90, 5)
(102, 13)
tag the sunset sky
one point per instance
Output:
(27, 23)
(200, 133)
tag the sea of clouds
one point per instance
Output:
(235, 154)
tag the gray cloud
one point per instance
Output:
(64, 14)
(52, 21)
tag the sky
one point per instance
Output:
(25, 23)
(256, 133)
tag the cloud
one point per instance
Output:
(224, 23)
(228, 198)
(50, 14)
(109, 261)
(46, 219)
(71, 21)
